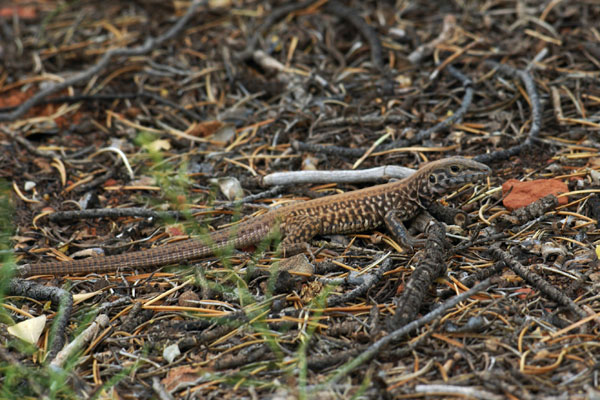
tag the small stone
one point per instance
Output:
(525, 193)
(297, 264)
(230, 187)
(188, 299)
(170, 353)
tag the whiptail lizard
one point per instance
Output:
(389, 204)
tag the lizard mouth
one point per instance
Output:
(467, 178)
(476, 176)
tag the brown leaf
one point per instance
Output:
(525, 193)
(204, 129)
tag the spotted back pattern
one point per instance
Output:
(365, 209)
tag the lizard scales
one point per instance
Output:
(359, 210)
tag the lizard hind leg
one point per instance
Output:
(297, 231)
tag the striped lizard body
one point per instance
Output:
(389, 204)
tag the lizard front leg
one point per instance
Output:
(394, 222)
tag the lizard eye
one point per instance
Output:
(454, 169)
(432, 178)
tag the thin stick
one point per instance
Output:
(379, 345)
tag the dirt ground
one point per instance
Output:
(129, 125)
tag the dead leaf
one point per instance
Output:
(29, 330)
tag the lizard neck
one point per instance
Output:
(404, 197)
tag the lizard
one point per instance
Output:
(390, 204)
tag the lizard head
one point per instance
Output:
(442, 176)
